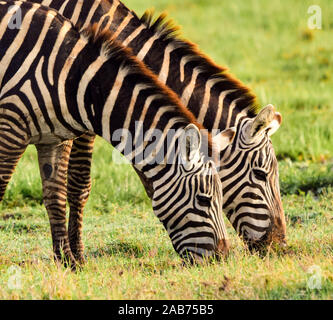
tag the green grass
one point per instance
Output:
(265, 44)
(129, 255)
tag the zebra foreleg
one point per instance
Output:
(78, 188)
(10, 153)
(53, 164)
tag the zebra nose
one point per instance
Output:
(223, 247)
(283, 243)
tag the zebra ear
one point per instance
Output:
(191, 143)
(267, 120)
(224, 138)
(275, 124)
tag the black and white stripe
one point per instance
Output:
(217, 100)
(57, 84)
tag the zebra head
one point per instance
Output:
(189, 201)
(250, 179)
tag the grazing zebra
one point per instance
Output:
(57, 83)
(248, 168)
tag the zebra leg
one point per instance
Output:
(78, 188)
(10, 153)
(53, 164)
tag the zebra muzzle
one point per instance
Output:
(223, 247)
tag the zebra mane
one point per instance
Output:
(166, 29)
(104, 41)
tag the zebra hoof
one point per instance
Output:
(80, 259)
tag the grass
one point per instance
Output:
(129, 255)
(128, 250)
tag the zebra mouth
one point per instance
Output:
(191, 261)
(191, 258)
(258, 245)
(263, 244)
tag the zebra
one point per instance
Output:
(248, 168)
(53, 90)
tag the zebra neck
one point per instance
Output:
(117, 101)
(216, 99)
(158, 167)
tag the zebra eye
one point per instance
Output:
(204, 201)
(260, 175)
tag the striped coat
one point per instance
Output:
(53, 89)
(248, 168)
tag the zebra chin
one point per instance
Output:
(271, 239)
(193, 255)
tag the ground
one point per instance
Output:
(266, 44)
